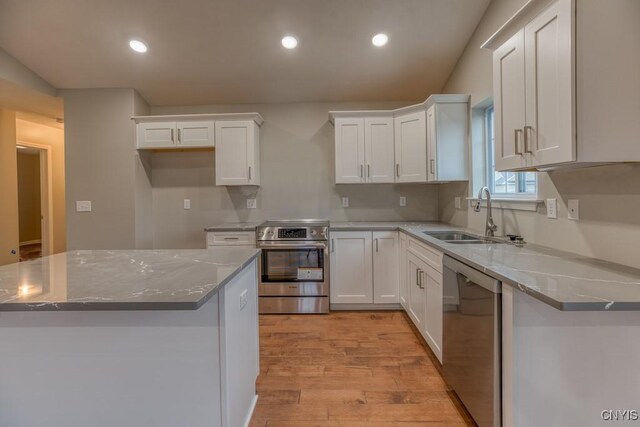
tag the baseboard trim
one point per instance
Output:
(250, 414)
(30, 242)
(368, 307)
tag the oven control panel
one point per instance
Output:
(292, 233)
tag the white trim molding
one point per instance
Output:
(515, 204)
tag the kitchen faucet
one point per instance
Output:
(491, 226)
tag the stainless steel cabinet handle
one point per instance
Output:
(361, 171)
(231, 238)
(249, 173)
(398, 170)
(368, 171)
(527, 139)
(421, 277)
(179, 136)
(172, 140)
(333, 245)
(432, 165)
(418, 277)
(376, 244)
(516, 141)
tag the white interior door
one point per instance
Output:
(196, 134)
(411, 147)
(379, 149)
(549, 57)
(386, 286)
(351, 267)
(349, 140)
(156, 135)
(509, 103)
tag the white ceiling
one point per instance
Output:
(228, 51)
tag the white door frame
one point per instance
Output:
(46, 195)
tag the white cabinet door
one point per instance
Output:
(379, 149)
(385, 267)
(351, 267)
(432, 281)
(196, 134)
(404, 286)
(236, 147)
(432, 144)
(156, 135)
(416, 291)
(509, 103)
(411, 147)
(349, 141)
(549, 132)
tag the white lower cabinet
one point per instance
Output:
(421, 284)
(364, 267)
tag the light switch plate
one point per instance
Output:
(573, 209)
(552, 208)
(345, 202)
(457, 202)
(187, 203)
(83, 206)
(403, 201)
(251, 203)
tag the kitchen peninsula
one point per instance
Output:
(130, 337)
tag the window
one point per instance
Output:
(505, 184)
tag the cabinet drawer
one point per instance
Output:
(231, 238)
(429, 255)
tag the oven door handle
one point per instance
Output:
(292, 245)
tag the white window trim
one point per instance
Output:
(511, 203)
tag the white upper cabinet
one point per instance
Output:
(411, 147)
(350, 149)
(563, 84)
(364, 150)
(447, 138)
(156, 135)
(237, 153)
(379, 150)
(195, 134)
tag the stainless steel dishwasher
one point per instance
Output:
(472, 306)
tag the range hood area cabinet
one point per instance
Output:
(421, 143)
(566, 89)
(235, 137)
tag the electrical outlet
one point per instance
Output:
(552, 208)
(251, 203)
(243, 298)
(345, 202)
(458, 202)
(187, 203)
(573, 209)
(403, 201)
(83, 206)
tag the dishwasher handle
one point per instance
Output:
(473, 275)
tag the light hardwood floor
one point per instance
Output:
(349, 369)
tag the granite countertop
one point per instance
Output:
(120, 279)
(564, 280)
(234, 226)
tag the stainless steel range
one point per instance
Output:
(294, 266)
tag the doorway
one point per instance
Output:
(34, 202)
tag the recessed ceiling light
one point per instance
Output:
(289, 42)
(138, 46)
(380, 39)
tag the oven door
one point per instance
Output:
(294, 269)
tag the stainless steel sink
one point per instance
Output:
(459, 237)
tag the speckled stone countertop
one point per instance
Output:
(234, 226)
(120, 279)
(564, 280)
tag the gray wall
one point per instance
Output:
(101, 163)
(609, 196)
(297, 162)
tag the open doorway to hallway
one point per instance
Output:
(33, 215)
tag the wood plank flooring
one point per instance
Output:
(350, 369)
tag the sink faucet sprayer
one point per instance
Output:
(491, 226)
